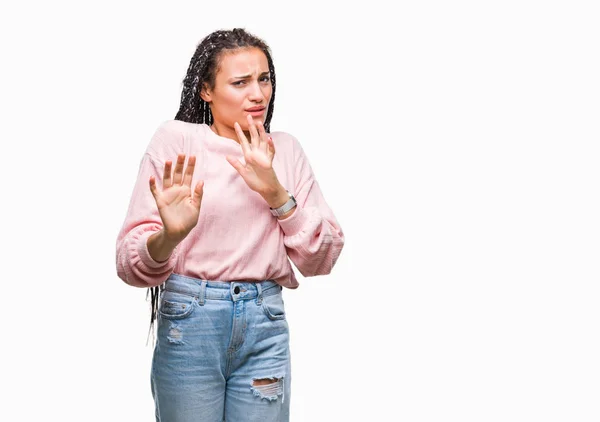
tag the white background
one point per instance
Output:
(456, 142)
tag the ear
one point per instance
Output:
(205, 93)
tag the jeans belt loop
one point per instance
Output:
(259, 295)
(202, 293)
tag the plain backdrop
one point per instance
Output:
(456, 142)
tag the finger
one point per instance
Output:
(198, 193)
(236, 164)
(189, 171)
(262, 135)
(243, 141)
(271, 147)
(178, 173)
(254, 137)
(167, 175)
(153, 188)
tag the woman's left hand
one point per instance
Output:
(258, 171)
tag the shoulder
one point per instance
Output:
(288, 144)
(281, 136)
(285, 142)
(171, 136)
(177, 128)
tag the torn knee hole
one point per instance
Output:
(268, 388)
(265, 381)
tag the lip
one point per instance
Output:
(258, 112)
(255, 109)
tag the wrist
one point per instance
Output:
(160, 246)
(286, 209)
(277, 198)
(168, 240)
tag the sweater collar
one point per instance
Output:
(220, 144)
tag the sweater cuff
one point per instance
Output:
(294, 223)
(144, 254)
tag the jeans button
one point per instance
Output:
(236, 289)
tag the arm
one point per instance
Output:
(312, 234)
(158, 219)
(142, 236)
(160, 246)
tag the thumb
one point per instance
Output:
(198, 193)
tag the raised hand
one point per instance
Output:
(178, 206)
(258, 171)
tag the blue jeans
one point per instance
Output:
(214, 341)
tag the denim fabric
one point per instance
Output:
(213, 340)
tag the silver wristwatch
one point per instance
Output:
(291, 203)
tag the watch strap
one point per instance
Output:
(290, 203)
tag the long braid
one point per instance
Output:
(193, 109)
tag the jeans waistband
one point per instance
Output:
(220, 290)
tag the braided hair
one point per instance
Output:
(203, 69)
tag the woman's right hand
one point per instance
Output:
(178, 206)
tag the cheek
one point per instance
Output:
(229, 101)
(235, 96)
(269, 92)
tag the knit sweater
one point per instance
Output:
(237, 237)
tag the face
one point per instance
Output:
(242, 88)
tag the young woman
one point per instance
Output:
(211, 236)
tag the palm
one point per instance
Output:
(178, 206)
(176, 210)
(257, 171)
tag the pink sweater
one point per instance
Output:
(236, 238)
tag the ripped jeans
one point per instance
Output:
(221, 353)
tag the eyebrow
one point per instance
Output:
(248, 76)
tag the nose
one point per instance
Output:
(256, 94)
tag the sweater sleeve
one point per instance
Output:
(135, 266)
(312, 235)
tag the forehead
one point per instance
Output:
(242, 62)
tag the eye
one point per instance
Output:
(265, 78)
(238, 83)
